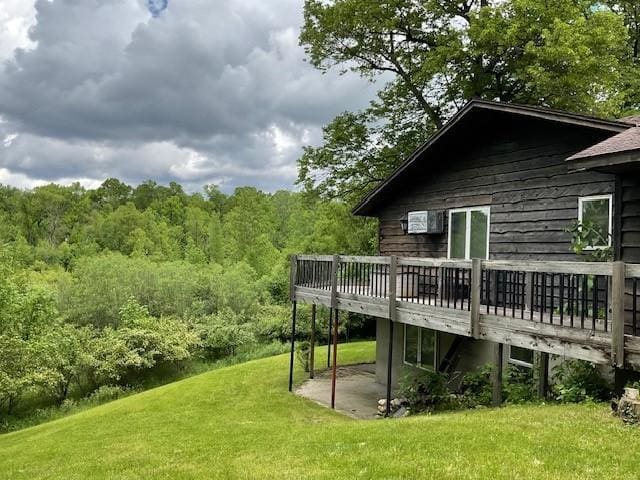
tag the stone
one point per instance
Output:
(401, 412)
(631, 393)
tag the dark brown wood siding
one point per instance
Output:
(519, 170)
(630, 221)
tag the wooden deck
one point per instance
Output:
(580, 310)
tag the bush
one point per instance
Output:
(579, 381)
(223, 333)
(303, 349)
(476, 386)
(519, 385)
(107, 393)
(101, 286)
(424, 390)
(141, 343)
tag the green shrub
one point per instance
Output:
(107, 393)
(303, 349)
(424, 390)
(476, 386)
(519, 384)
(223, 333)
(579, 381)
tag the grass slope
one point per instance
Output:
(240, 422)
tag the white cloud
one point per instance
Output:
(206, 91)
(16, 17)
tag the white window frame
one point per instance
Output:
(419, 359)
(515, 361)
(592, 198)
(467, 239)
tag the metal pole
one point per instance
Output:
(389, 368)
(335, 359)
(312, 342)
(293, 340)
(329, 339)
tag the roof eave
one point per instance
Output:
(605, 160)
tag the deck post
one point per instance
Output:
(617, 314)
(334, 307)
(496, 375)
(293, 340)
(312, 342)
(293, 277)
(335, 359)
(329, 339)
(292, 296)
(476, 285)
(543, 375)
(391, 295)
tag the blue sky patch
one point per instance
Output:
(157, 6)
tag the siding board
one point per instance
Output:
(521, 173)
(630, 225)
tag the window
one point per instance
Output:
(594, 213)
(521, 356)
(420, 347)
(469, 232)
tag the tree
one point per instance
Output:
(112, 193)
(434, 55)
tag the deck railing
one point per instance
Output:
(582, 309)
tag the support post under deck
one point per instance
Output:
(543, 375)
(335, 359)
(312, 342)
(391, 295)
(389, 370)
(329, 339)
(334, 306)
(293, 341)
(496, 375)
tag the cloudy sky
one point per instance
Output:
(202, 91)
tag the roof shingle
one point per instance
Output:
(622, 142)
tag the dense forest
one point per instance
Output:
(103, 289)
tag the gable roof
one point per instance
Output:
(559, 116)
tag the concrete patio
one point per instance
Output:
(357, 392)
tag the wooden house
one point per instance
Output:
(476, 261)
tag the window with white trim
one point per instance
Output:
(469, 233)
(420, 345)
(521, 356)
(595, 214)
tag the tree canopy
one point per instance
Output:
(431, 56)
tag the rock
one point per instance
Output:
(631, 393)
(401, 412)
(382, 402)
(628, 407)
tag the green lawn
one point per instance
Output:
(240, 422)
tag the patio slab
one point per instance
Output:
(357, 392)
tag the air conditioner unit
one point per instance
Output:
(428, 221)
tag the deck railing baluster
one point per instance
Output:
(606, 304)
(469, 289)
(552, 298)
(634, 316)
(514, 283)
(583, 298)
(504, 294)
(523, 296)
(561, 299)
(594, 301)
